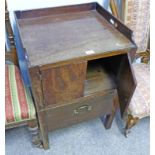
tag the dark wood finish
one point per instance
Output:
(66, 31)
(36, 84)
(126, 83)
(117, 24)
(121, 28)
(77, 57)
(71, 9)
(109, 117)
(82, 109)
(43, 129)
(86, 58)
(66, 83)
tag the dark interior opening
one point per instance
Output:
(102, 74)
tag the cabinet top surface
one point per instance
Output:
(60, 37)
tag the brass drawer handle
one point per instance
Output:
(83, 108)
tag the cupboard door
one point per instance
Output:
(126, 83)
(63, 83)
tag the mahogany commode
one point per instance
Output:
(78, 59)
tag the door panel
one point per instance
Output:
(126, 83)
(63, 83)
(120, 68)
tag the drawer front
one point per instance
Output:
(63, 83)
(84, 109)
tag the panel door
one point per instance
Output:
(63, 83)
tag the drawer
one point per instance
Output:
(83, 109)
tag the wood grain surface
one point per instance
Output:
(64, 115)
(77, 59)
(58, 37)
(64, 83)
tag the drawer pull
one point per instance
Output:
(83, 108)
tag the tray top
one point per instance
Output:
(59, 37)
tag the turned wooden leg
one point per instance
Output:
(131, 121)
(33, 128)
(107, 120)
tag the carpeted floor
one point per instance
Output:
(88, 138)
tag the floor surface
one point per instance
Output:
(88, 138)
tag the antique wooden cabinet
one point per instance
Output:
(79, 60)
